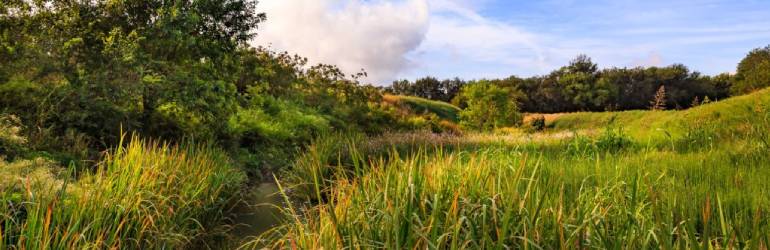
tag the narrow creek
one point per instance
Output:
(259, 213)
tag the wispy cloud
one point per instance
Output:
(497, 38)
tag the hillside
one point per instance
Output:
(611, 180)
(725, 116)
(419, 105)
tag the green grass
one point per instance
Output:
(694, 179)
(144, 195)
(727, 115)
(419, 105)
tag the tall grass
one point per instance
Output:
(504, 198)
(144, 195)
(703, 188)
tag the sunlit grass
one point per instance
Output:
(699, 185)
(419, 105)
(503, 197)
(144, 195)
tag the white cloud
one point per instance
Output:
(354, 35)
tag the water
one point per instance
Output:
(260, 213)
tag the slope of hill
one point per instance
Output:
(724, 116)
(419, 105)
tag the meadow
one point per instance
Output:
(160, 124)
(693, 179)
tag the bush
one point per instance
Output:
(536, 124)
(489, 106)
(273, 130)
(612, 140)
(11, 140)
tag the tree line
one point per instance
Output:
(582, 86)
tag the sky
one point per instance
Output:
(474, 39)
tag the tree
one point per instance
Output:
(695, 102)
(428, 87)
(489, 106)
(450, 89)
(401, 87)
(659, 102)
(160, 67)
(581, 85)
(753, 72)
(722, 84)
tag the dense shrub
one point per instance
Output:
(536, 124)
(489, 106)
(11, 140)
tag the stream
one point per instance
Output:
(259, 214)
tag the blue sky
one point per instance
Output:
(498, 38)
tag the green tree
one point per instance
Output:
(161, 67)
(489, 106)
(753, 72)
(581, 85)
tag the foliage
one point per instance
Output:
(429, 88)
(172, 71)
(152, 66)
(489, 106)
(581, 86)
(753, 72)
(12, 143)
(536, 124)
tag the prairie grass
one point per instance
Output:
(687, 184)
(144, 195)
(502, 197)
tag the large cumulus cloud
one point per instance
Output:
(372, 35)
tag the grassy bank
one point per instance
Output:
(419, 105)
(143, 195)
(728, 115)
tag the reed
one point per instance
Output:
(144, 195)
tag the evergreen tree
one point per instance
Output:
(706, 100)
(659, 103)
(695, 102)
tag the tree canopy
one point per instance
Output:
(753, 71)
(582, 86)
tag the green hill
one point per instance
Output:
(726, 116)
(443, 110)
